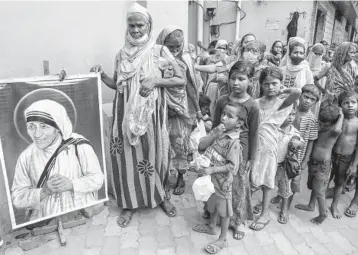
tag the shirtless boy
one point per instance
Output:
(319, 167)
(343, 159)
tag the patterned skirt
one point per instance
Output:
(140, 171)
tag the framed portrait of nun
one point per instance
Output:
(51, 146)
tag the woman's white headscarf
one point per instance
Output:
(51, 113)
(315, 61)
(136, 63)
(221, 43)
(290, 41)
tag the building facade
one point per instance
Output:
(333, 21)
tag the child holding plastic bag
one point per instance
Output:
(222, 147)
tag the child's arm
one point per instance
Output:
(294, 94)
(337, 129)
(206, 141)
(206, 68)
(217, 112)
(253, 123)
(322, 73)
(307, 156)
(353, 167)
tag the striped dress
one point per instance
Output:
(140, 171)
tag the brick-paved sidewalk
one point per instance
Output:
(153, 233)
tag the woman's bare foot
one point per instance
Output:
(319, 219)
(305, 207)
(335, 213)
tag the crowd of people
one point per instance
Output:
(269, 117)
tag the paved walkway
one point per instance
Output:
(153, 233)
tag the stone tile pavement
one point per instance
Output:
(153, 233)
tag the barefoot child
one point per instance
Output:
(273, 112)
(306, 123)
(290, 141)
(239, 80)
(344, 150)
(222, 147)
(319, 166)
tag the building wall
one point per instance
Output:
(71, 35)
(261, 14)
(257, 17)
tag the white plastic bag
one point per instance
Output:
(198, 133)
(203, 188)
(195, 136)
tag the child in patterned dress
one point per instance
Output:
(222, 147)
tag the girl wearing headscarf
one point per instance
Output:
(59, 172)
(141, 158)
(316, 63)
(275, 54)
(342, 72)
(296, 72)
(183, 104)
(254, 53)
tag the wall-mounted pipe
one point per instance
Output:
(200, 22)
(238, 18)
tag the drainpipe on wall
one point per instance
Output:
(238, 17)
(200, 22)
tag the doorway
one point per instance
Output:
(319, 29)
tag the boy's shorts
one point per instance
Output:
(318, 176)
(340, 166)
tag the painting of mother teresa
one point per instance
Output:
(58, 171)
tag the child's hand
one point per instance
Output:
(249, 165)
(199, 115)
(219, 130)
(168, 73)
(304, 165)
(352, 170)
(205, 171)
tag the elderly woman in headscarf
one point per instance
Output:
(341, 74)
(183, 104)
(296, 71)
(139, 134)
(59, 172)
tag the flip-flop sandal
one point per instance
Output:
(257, 209)
(171, 212)
(124, 220)
(240, 234)
(282, 219)
(215, 246)
(350, 213)
(204, 228)
(179, 188)
(253, 226)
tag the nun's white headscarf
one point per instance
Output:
(50, 113)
